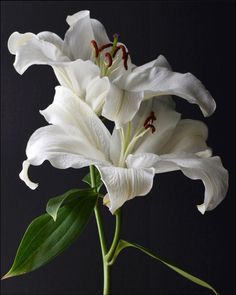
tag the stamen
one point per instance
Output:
(152, 127)
(151, 118)
(105, 46)
(94, 43)
(122, 47)
(111, 55)
(148, 122)
(109, 58)
(126, 61)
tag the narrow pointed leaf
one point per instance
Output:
(124, 244)
(98, 181)
(45, 238)
(54, 204)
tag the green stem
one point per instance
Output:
(115, 242)
(106, 267)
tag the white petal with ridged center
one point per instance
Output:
(62, 148)
(76, 75)
(83, 78)
(124, 184)
(157, 81)
(76, 117)
(121, 106)
(96, 93)
(210, 170)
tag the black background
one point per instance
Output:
(193, 36)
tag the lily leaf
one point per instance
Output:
(54, 204)
(44, 239)
(124, 244)
(98, 181)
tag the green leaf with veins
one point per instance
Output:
(45, 238)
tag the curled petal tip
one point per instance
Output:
(24, 175)
(201, 208)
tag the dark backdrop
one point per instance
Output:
(194, 36)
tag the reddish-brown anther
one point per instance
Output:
(109, 58)
(113, 53)
(126, 61)
(150, 118)
(124, 55)
(105, 46)
(152, 127)
(148, 122)
(94, 43)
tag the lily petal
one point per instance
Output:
(99, 31)
(30, 50)
(189, 136)
(75, 117)
(78, 37)
(24, 175)
(121, 106)
(96, 93)
(166, 120)
(124, 184)
(210, 170)
(80, 34)
(83, 78)
(61, 149)
(51, 38)
(160, 61)
(16, 40)
(78, 16)
(157, 81)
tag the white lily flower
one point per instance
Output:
(86, 40)
(156, 141)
